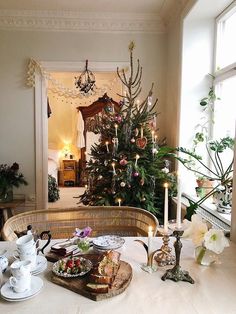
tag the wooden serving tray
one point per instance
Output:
(78, 284)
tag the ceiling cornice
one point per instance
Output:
(81, 22)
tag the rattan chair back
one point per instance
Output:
(120, 220)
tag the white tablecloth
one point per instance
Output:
(214, 291)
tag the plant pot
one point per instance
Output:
(205, 186)
(6, 195)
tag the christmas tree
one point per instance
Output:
(128, 167)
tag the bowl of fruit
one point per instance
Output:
(72, 267)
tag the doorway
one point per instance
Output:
(41, 122)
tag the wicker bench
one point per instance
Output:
(124, 221)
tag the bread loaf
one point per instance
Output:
(96, 278)
(97, 288)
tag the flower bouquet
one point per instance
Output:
(82, 239)
(208, 242)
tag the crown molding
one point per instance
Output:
(81, 22)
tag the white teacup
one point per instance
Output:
(25, 242)
(21, 279)
(32, 257)
(19, 268)
(21, 284)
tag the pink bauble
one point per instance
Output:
(132, 140)
(123, 162)
(135, 174)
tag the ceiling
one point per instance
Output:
(129, 6)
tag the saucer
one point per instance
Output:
(41, 265)
(108, 242)
(8, 293)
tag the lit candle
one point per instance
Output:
(149, 100)
(150, 235)
(86, 187)
(116, 126)
(166, 208)
(107, 146)
(178, 214)
(137, 103)
(119, 201)
(114, 169)
(136, 160)
(153, 136)
(141, 132)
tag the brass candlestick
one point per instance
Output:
(176, 273)
(164, 257)
(148, 267)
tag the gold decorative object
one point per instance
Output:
(164, 257)
(148, 267)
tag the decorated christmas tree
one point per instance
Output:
(128, 166)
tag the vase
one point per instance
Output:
(6, 195)
(205, 257)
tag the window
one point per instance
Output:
(225, 74)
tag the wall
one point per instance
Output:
(17, 101)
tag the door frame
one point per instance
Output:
(41, 119)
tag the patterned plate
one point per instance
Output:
(87, 266)
(108, 242)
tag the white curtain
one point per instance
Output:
(80, 131)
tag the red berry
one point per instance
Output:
(77, 263)
(70, 263)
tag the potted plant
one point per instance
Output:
(219, 172)
(10, 177)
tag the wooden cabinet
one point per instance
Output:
(68, 173)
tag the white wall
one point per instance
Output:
(17, 101)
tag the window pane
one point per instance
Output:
(227, 43)
(225, 109)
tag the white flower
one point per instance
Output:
(196, 229)
(215, 240)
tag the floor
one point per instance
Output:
(68, 197)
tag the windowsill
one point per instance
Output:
(209, 211)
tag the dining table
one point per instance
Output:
(213, 290)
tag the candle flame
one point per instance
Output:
(106, 142)
(116, 126)
(166, 185)
(137, 156)
(113, 164)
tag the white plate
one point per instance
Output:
(41, 262)
(8, 294)
(87, 263)
(108, 242)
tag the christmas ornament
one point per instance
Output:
(141, 142)
(122, 184)
(118, 118)
(143, 199)
(123, 162)
(100, 177)
(105, 162)
(136, 174)
(132, 140)
(165, 170)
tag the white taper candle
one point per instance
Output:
(166, 208)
